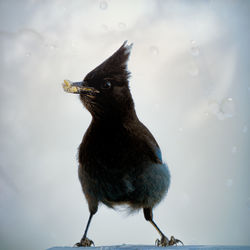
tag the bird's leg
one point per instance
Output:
(85, 242)
(164, 241)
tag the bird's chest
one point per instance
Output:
(104, 150)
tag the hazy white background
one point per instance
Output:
(191, 85)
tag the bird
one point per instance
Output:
(120, 162)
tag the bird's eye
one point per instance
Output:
(106, 85)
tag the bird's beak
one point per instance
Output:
(78, 88)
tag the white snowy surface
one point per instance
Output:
(144, 247)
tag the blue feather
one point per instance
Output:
(158, 153)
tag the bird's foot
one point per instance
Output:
(174, 241)
(166, 242)
(85, 242)
(163, 242)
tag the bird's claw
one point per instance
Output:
(85, 243)
(163, 242)
(166, 242)
(174, 241)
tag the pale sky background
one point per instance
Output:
(191, 86)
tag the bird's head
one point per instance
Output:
(105, 90)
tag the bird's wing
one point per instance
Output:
(158, 153)
(150, 143)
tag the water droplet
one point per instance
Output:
(154, 50)
(51, 46)
(103, 5)
(193, 70)
(195, 50)
(229, 182)
(28, 54)
(227, 107)
(122, 26)
(234, 150)
(224, 109)
(245, 128)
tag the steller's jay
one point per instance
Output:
(120, 162)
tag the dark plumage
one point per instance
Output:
(119, 160)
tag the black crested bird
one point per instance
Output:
(120, 162)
